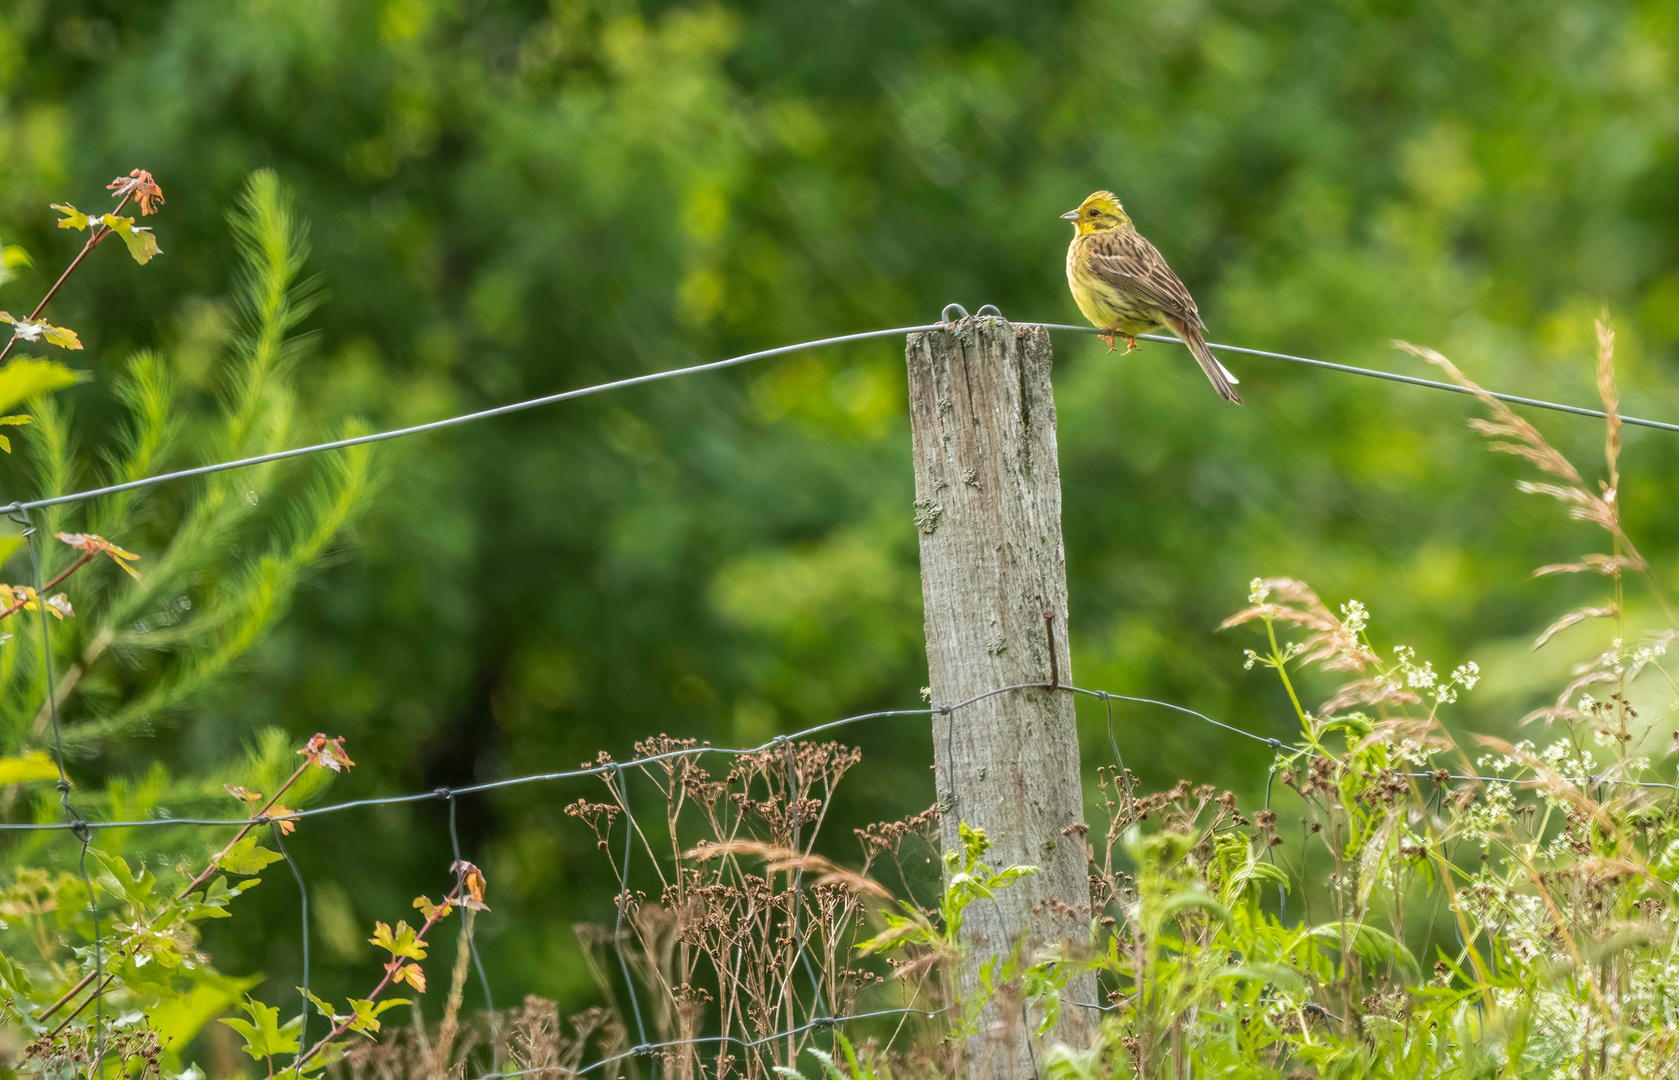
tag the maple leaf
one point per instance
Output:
(264, 1035)
(99, 545)
(138, 183)
(246, 858)
(327, 753)
(401, 942)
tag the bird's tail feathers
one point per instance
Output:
(1217, 373)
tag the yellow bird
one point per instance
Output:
(1123, 285)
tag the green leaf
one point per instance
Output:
(211, 902)
(367, 1012)
(137, 888)
(263, 1035)
(12, 421)
(62, 336)
(14, 978)
(324, 1006)
(75, 219)
(1374, 946)
(247, 858)
(26, 377)
(1281, 976)
(28, 768)
(142, 244)
(1193, 898)
(179, 1017)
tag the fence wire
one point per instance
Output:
(763, 354)
(83, 829)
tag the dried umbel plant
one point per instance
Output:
(749, 932)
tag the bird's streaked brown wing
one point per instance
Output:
(1130, 264)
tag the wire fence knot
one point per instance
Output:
(444, 793)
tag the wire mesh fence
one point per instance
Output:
(820, 1015)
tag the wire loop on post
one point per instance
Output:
(946, 317)
(989, 311)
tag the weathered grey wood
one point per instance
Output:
(988, 508)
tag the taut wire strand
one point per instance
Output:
(1388, 376)
(467, 418)
(763, 354)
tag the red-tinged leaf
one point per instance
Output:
(284, 818)
(252, 797)
(98, 544)
(433, 911)
(142, 187)
(327, 753)
(472, 880)
(401, 942)
(410, 974)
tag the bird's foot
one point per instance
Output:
(1130, 345)
(1107, 336)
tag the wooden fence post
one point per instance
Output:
(994, 579)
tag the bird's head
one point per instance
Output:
(1101, 212)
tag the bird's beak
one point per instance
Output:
(1071, 215)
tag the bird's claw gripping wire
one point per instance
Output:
(1110, 335)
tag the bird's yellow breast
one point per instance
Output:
(1098, 301)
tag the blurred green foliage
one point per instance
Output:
(511, 198)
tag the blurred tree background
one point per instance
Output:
(511, 198)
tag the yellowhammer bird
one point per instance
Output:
(1121, 283)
